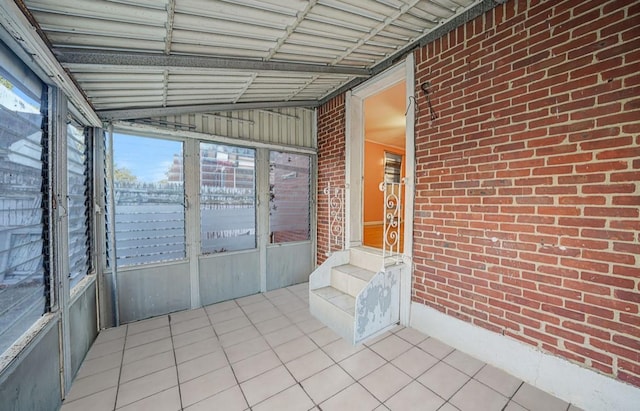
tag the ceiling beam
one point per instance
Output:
(92, 57)
(138, 113)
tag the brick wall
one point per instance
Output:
(528, 183)
(331, 163)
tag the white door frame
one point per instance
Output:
(354, 154)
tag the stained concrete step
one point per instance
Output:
(350, 279)
(335, 309)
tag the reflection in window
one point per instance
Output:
(227, 198)
(78, 204)
(149, 200)
(22, 273)
(289, 199)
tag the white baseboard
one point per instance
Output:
(585, 388)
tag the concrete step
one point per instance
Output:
(368, 258)
(350, 279)
(334, 308)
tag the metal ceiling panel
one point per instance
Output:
(340, 34)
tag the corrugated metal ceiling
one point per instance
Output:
(227, 51)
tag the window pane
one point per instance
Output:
(289, 200)
(227, 198)
(22, 289)
(149, 200)
(78, 201)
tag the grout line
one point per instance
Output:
(126, 335)
(175, 360)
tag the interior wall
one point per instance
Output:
(528, 189)
(373, 176)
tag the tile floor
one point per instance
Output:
(266, 352)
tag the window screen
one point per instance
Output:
(22, 212)
(227, 198)
(149, 200)
(289, 200)
(78, 198)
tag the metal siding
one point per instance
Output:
(153, 290)
(288, 264)
(83, 325)
(227, 276)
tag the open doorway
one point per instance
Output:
(384, 159)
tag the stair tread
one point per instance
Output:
(338, 298)
(355, 271)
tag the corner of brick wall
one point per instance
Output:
(331, 163)
(527, 215)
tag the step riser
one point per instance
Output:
(347, 283)
(366, 260)
(333, 317)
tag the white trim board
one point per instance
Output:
(578, 385)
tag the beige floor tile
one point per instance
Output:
(273, 324)
(290, 305)
(300, 315)
(198, 349)
(250, 299)
(295, 348)
(187, 315)
(352, 398)
(304, 367)
(499, 380)
(362, 363)
(256, 365)
(149, 365)
(283, 335)
(233, 324)
(411, 335)
(207, 385)
(266, 385)
(435, 347)
(167, 400)
(105, 348)
(464, 362)
(323, 336)
(277, 293)
(449, 407)
(385, 382)
(263, 315)
(513, 406)
(194, 336)
(100, 364)
(377, 338)
(147, 350)
(219, 307)
(146, 325)
(258, 306)
(391, 347)
(111, 334)
(226, 315)
(474, 393)
(535, 399)
(310, 326)
(238, 336)
(414, 397)
(415, 362)
(202, 365)
(246, 349)
(291, 399)
(326, 383)
(147, 337)
(93, 384)
(340, 349)
(190, 325)
(146, 386)
(101, 401)
(443, 379)
(230, 399)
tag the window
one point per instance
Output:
(392, 167)
(22, 213)
(78, 198)
(149, 200)
(289, 199)
(227, 198)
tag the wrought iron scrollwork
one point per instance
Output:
(392, 219)
(335, 209)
